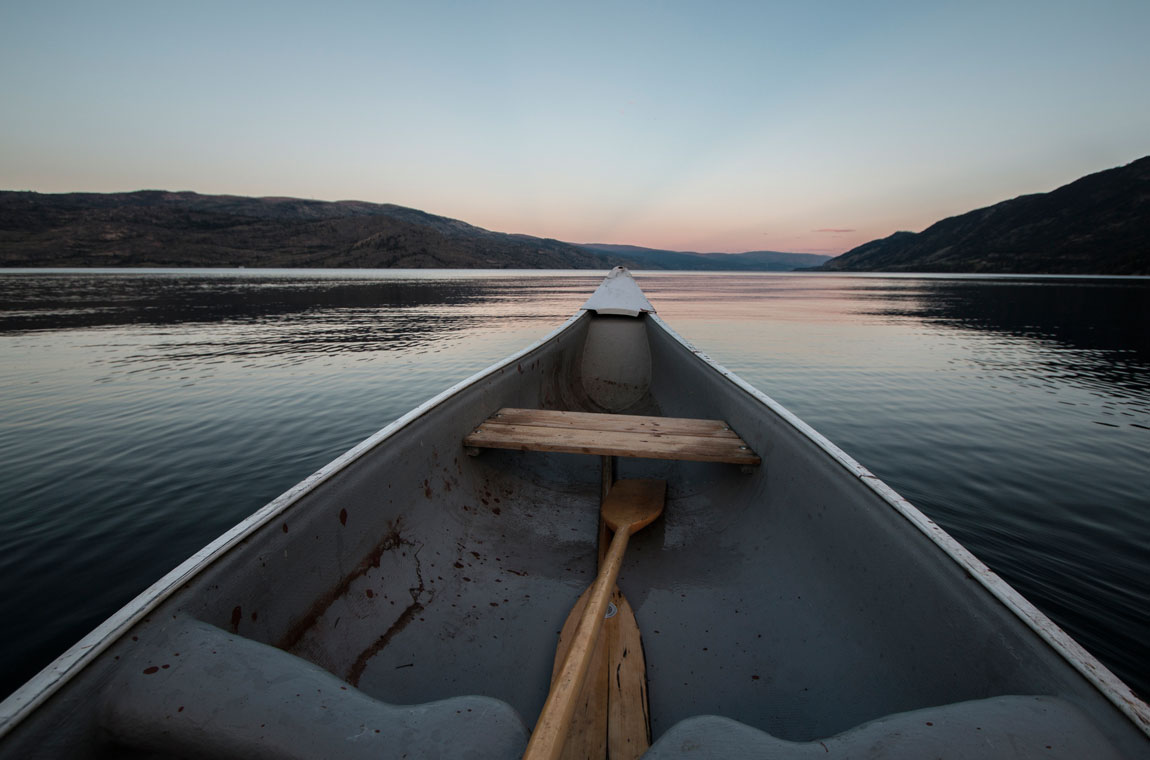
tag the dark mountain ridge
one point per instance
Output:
(1099, 224)
(158, 228)
(760, 261)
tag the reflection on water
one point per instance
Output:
(1092, 331)
(326, 314)
(144, 413)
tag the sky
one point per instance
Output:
(708, 126)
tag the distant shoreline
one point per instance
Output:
(421, 273)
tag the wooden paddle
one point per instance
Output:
(630, 506)
(611, 717)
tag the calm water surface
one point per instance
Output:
(143, 413)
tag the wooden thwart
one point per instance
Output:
(612, 435)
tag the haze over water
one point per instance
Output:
(142, 414)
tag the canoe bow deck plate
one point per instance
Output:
(612, 435)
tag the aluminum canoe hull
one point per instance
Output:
(803, 598)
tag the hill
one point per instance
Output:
(758, 261)
(166, 229)
(156, 228)
(1099, 224)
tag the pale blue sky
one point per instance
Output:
(715, 126)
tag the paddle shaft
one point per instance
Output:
(555, 720)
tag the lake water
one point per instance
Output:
(143, 413)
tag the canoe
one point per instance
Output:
(407, 599)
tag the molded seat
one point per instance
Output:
(999, 727)
(195, 691)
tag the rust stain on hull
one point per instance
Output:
(237, 616)
(357, 668)
(392, 540)
(356, 671)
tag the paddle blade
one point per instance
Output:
(628, 718)
(634, 503)
(612, 718)
(587, 737)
